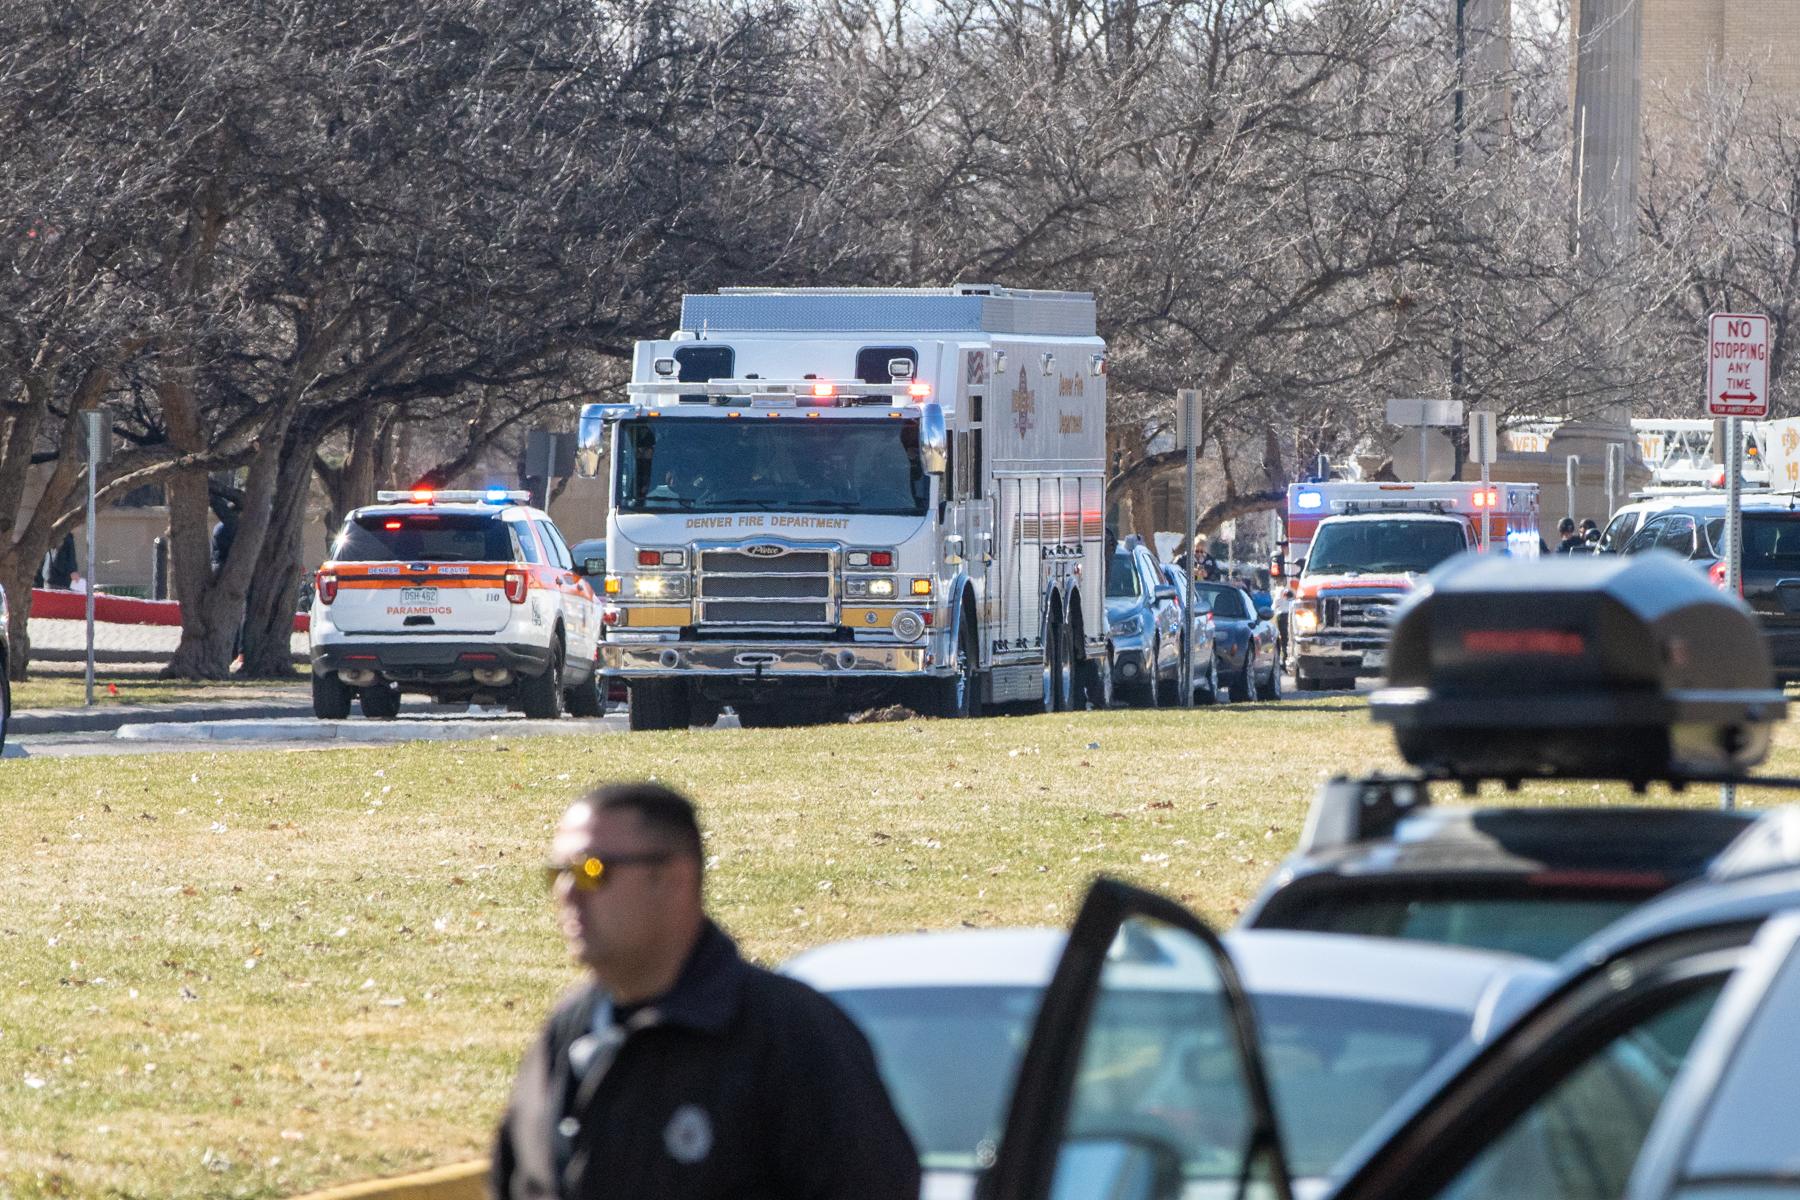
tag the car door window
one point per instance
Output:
(1646, 537)
(1619, 532)
(1580, 1140)
(1677, 534)
(1143, 1063)
(528, 547)
(559, 550)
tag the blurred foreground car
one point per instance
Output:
(1662, 1065)
(1348, 1024)
(1376, 859)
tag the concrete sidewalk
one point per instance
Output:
(104, 719)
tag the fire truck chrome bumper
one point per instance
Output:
(677, 658)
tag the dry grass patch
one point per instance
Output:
(251, 974)
(45, 690)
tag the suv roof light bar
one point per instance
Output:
(434, 496)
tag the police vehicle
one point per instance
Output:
(1660, 1064)
(461, 596)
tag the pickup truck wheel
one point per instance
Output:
(331, 697)
(541, 695)
(379, 702)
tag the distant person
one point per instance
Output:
(62, 564)
(1571, 540)
(677, 1070)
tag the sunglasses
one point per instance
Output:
(591, 874)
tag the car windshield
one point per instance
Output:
(424, 537)
(1541, 926)
(948, 1055)
(1122, 582)
(1385, 547)
(706, 465)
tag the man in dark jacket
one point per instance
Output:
(678, 1069)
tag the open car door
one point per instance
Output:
(1142, 1079)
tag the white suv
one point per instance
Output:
(458, 595)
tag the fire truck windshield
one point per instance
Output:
(711, 465)
(1388, 547)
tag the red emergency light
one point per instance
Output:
(422, 495)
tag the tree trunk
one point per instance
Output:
(269, 606)
(213, 611)
(16, 572)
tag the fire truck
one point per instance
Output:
(1354, 549)
(822, 500)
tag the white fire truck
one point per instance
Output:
(1354, 549)
(826, 499)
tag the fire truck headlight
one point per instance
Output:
(881, 587)
(1305, 619)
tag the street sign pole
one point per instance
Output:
(1188, 401)
(1737, 386)
(1484, 448)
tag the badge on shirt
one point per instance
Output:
(689, 1135)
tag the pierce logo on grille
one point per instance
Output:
(765, 551)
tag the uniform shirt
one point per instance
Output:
(737, 1083)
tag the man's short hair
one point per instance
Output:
(665, 812)
(1566, 525)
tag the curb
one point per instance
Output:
(62, 654)
(352, 731)
(462, 1181)
(24, 722)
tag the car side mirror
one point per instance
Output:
(593, 567)
(1264, 610)
(1167, 592)
(934, 439)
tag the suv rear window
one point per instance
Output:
(1771, 541)
(424, 537)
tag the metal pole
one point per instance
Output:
(1574, 475)
(1487, 510)
(1421, 475)
(1734, 542)
(1190, 415)
(93, 467)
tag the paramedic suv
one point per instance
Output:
(462, 596)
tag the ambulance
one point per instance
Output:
(458, 595)
(1353, 550)
(822, 500)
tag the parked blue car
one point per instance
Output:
(1243, 640)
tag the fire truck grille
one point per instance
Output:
(766, 587)
(764, 612)
(1360, 612)
(797, 562)
(781, 589)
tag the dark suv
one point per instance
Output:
(1695, 530)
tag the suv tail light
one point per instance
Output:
(515, 585)
(325, 583)
(1717, 574)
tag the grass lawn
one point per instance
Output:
(252, 974)
(46, 690)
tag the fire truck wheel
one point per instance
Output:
(380, 702)
(960, 695)
(587, 699)
(703, 713)
(1059, 669)
(331, 697)
(658, 704)
(541, 695)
